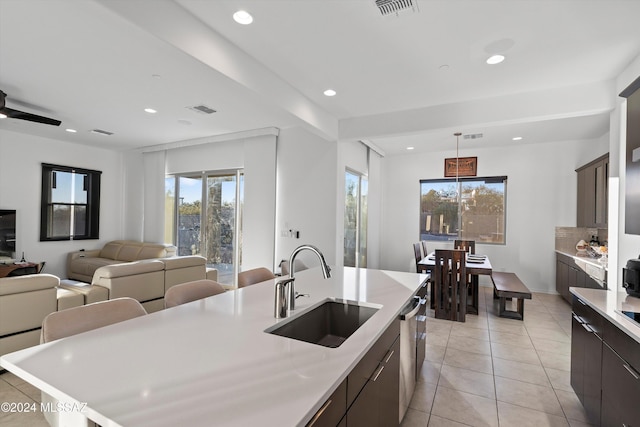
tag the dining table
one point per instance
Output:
(475, 266)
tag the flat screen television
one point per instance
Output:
(7, 234)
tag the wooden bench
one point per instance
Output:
(508, 285)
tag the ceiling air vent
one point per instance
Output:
(101, 132)
(472, 136)
(389, 7)
(202, 109)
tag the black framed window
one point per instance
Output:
(467, 208)
(70, 204)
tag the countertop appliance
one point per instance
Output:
(631, 277)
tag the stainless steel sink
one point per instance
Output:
(328, 324)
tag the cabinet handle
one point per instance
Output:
(377, 374)
(581, 302)
(578, 318)
(587, 328)
(632, 371)
(388, 356)
(319, 413)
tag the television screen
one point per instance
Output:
(7, 233)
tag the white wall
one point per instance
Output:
(541, 194)
(256, 155)
(306, 200)
(21, 156)
(628, 244)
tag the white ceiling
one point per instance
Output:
(91, 64)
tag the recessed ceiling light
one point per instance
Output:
(243, 17)
(3, 116)
(410, 148)
(495, 59)
(150, 110)
(71, 130)
(517, 138)
(329, 92)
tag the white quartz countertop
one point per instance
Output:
(210, 362)
(596, 262)
(608, 304)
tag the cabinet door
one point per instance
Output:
(378, 404)
(600, 194)
(389, 387)
(578, 338)
(562, 279)
(332, 411)
(620, 391)
(582, 216)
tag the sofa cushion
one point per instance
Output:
(110, 250)
(28, 283)
(129, 252)
(152, 250)
(25, 310)
(88, 266)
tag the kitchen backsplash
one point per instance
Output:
(568, 237)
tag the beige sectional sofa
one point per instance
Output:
(24, 303)
(145, 280)
(81, 265)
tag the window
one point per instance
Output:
(203, 217)
(70, 204)
(467, 209)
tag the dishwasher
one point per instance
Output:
(409, 338)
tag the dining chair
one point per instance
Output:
(425, 252)
(191, 291)
(253, 276)
(465, 245)
(470, 247)
(450, 285)
(297, 264)
(417, 252)
(72, 321)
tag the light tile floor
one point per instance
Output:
(488, 371)
(492, 371)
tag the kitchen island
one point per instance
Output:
(210, 362)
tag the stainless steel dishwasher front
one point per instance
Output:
(408, 339)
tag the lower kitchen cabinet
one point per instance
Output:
(378, 402)
(333, 410)
(620, 379)
(571, 272)
(586, 358)
(370, 396)
(620, 391)
(605, 369)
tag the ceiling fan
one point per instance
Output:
(22, 115)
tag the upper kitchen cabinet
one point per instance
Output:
(593, 193)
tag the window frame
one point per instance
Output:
(460, 181)
(92, 220)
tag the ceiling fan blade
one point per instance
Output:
(21, 115)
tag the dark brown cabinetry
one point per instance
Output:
(333, 410)
(586, 357)
(593, 193)
(370, 396)
(620, 378)
(571, 272)
(605, 369)
(373, 387)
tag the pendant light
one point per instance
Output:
(458, 189)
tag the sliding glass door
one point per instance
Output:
(355, 220)
(207, 219)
